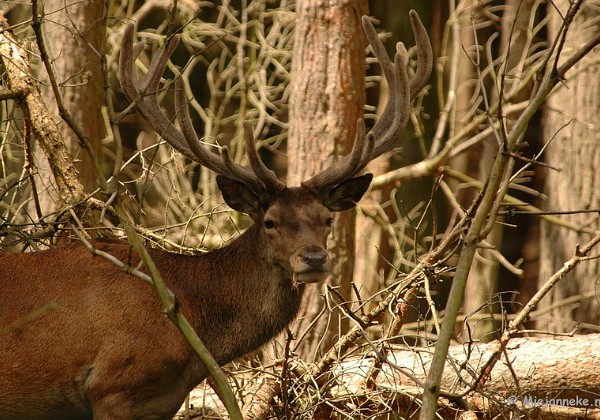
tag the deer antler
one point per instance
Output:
(395, 116)
(142, 93)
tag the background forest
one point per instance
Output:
(476, 244)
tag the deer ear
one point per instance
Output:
(238, 196)
(344, 196)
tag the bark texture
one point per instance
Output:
(572, 125)
(327, 98)
(27, 95)
(540, 377)
(73, 35)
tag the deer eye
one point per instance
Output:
(329, 221)
(269, 224)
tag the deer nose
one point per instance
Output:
(314, 259)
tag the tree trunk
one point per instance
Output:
(537, 378)
(483, 279)
(73, 36)
(572, 127)
(327, 98)
(543, 377)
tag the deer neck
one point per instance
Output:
(256, 298)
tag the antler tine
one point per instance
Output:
(206, 158)
(221, 164)
(351, 163)
(422, 73)
(387, 67)
(143, 94)
(399, 101)
(396, 114)
(145, 100)
(242, 174)
(424, 55)
(266, 176)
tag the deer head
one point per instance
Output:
(256, 191)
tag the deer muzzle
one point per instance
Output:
(310, 264)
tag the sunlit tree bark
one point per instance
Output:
(327, 97)
(572, 127)
(73, 35)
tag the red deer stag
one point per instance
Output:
(105, 350)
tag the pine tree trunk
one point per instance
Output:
(327, 98)
(73, 36)
(572, 126)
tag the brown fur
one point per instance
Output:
(106, 350)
